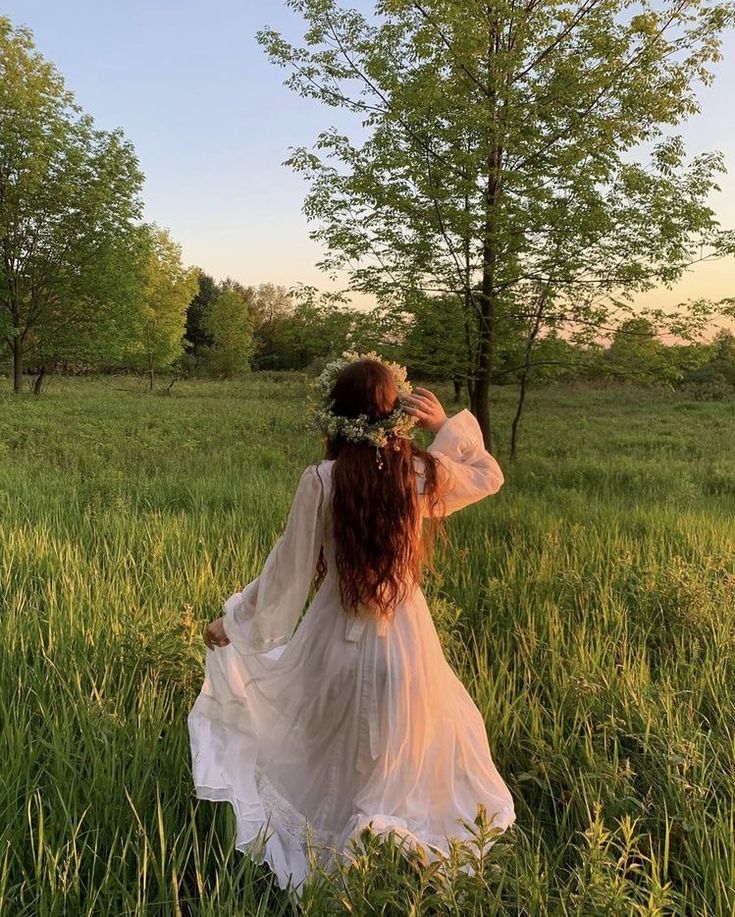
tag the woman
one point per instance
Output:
(355, 718)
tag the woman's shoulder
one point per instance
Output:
(315, 482)
(319, 471)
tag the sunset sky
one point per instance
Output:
(212, 123)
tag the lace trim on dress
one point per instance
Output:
(294, 829)
(290, 821)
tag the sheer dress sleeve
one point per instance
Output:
(267, 610)
(468, 471)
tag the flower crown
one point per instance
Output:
(397, 425)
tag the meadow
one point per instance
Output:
(589, 608)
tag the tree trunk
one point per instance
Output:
(515, 430)
(488, 295)
(471, 356)
(38, 382)
(151, 375)
(480, 406)
(481, 388)
(17, 364)
(457, 390)
(530, 341)
(468, 309)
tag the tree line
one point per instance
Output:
(301, 334)
(299, 330)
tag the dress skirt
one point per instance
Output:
(353, 721)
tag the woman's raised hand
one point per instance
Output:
(424, 405)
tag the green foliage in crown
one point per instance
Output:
(322, 419)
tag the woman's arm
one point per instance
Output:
(468, 472)
(264, 614)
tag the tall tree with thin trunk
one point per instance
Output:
(69, 205)
(492, 160)
(168, 288)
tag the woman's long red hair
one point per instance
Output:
(380, 547)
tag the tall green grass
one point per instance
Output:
(589, 607)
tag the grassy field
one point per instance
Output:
(589, 608)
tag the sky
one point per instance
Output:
(212, 123)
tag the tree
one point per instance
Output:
(301, 325)
(268, 302)
(230, 328)
(92, 331)
(294, 339)
(69, 202)
(712, 368)
(708, 369)
(197, 338)
(379, 329)
(493, 163)
(723, 354)
(638, 354)
(436, 345)
(247, 293)
(168, 288)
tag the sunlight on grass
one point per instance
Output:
(589, 608)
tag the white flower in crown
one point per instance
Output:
(322, 419)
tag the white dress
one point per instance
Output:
(348, 720)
